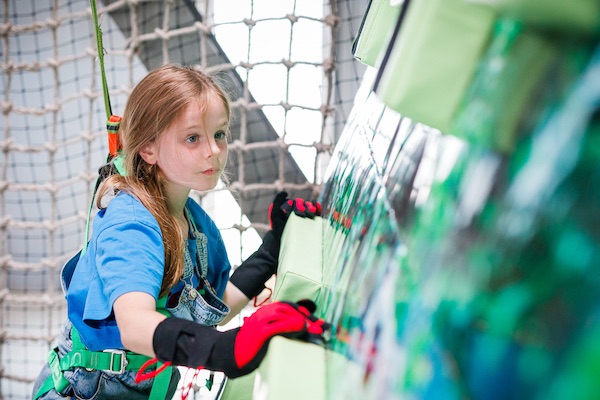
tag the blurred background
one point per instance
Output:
(291, 96)
(454, 145)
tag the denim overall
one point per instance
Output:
(199, 304)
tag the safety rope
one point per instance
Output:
(112, 121)
(100, 49)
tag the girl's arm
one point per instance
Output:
(248, 280)
(235, 299)
(137, 319)
(236, 352)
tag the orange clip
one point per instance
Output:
(112, 127)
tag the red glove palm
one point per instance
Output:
(279, 318)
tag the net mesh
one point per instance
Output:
(289, 71)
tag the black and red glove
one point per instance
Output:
(250, 277)
(282, 207)
(238, 351)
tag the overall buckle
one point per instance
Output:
(113, 354)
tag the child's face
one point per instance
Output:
(192, 152)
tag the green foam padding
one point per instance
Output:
(340, 370)
(376, 29)
(433, 58)
(300, 271)
(239, 388)
(291, 370)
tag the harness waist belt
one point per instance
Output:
(110, 361)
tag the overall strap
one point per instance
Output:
(200, 267)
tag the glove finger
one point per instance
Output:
(309, 305)
(274, 214)
(318, 327)
(318, 332)
(299, 207)
(287, 207)
(311, 209)
(279, 199)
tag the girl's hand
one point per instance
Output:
(238, 351)
(282, 207)
(250, 277)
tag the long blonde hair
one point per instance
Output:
(154, 104)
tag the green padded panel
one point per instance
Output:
(299, 277)
(573, 16)
(294, 369)
(291, 370)
(300, 271)
(340, 371)
(375, 31)
(240, 388)
(431, 63)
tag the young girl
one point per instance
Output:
(154, 279)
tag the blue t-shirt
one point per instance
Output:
(126, 254)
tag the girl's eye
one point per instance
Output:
(220, 135)
(192, 139)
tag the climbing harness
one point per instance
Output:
(110, 361)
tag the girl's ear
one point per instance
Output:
(149, 153)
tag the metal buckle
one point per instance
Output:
(124, 361)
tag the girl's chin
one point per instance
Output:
(206, 187)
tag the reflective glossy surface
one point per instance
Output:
(461, 268)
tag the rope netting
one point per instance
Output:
(280, 62)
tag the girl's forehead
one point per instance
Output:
(201, 115)
(192, 116)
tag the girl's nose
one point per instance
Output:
(212, 148)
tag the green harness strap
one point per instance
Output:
(161, 383)
(109, 361)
